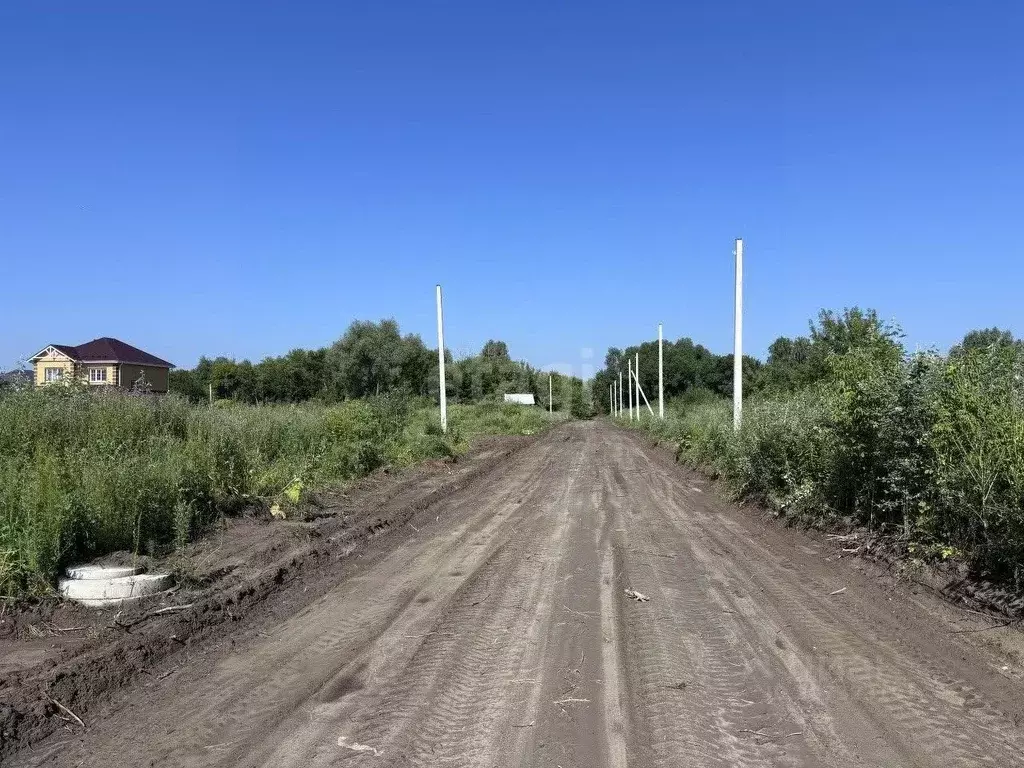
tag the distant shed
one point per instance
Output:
(520, 399)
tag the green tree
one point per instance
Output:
(580, 406)
(839, 333)
(983, 338)
(495, 350)
(790, 365)
(187, 384)
(416, 363)
(368, 360)
(224, 377)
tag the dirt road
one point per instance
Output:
(498, 633)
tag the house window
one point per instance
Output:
(98, 375)
(53, 374)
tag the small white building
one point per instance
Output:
(520, 399)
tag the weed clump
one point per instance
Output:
(84, 473)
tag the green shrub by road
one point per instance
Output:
(927, 448)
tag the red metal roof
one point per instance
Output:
(66, 349)
(112, 350)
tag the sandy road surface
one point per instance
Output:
(499, 634)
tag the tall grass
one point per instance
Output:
(84, 473)
(927, 449)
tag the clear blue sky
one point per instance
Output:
(242, 178)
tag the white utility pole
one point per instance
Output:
(619, 412)
(737, 350)
(611, 401)
(629, 381)
(440, 363)
(661, 376)
(636, 376)
(640, 391)
(549, 393)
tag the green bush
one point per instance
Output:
(926, 448)
(978, 440)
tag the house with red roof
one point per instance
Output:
(102, 362)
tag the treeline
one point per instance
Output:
(693, 372)
(371, 359)
(846, 426)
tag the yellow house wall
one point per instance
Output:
(157, 377)
(70, 369)
(111, 374)
(41, 365)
